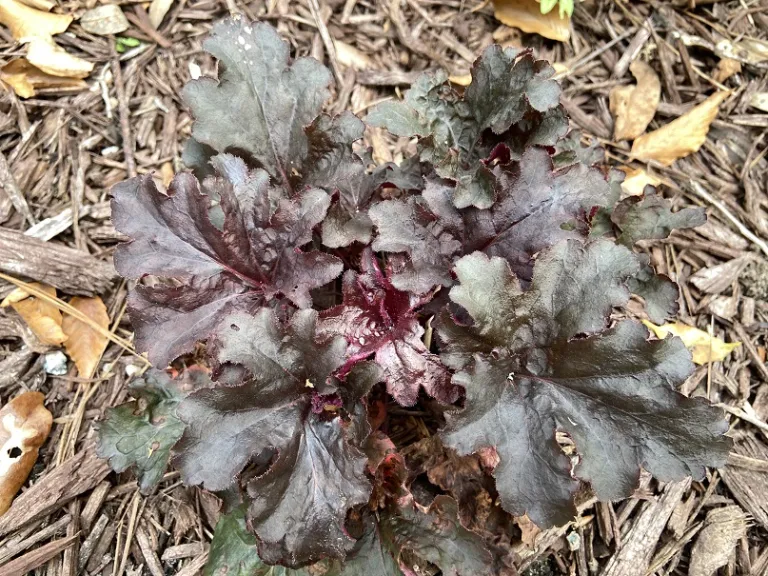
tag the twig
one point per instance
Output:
(699, 190)
(739, 413)
(8, 183)
(330, 48)
(125, 118)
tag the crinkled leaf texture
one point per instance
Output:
(512, 103)
(541, 360)
(287, 403)
(140, 433)
(253, 256)
(380, 321)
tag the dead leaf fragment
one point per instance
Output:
(348, 55)
(526, 15)
(43, 318)
(633, 107)
(681, 137)
(528, 531)
(84, 344)
(157, 11)
(704, 348)
(104, 20)
(636, 180)
(25, 22)
(24, 426)
(726, 68)
(28, 81)
(723, 528)
(45, 5)
(52, 59)
(759, 100)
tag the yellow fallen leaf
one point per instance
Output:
(26, 22)
(84, 345)
(526, 15)
(28, 81)
(460, 79)
(682, 136)
(633, 107)
(157, 11)
(43, 318)
(24, 426)
(45, 5)
(348, 55)
(636, 180)
(52, 59)
(704, 348)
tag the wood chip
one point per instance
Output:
(716, 543)
(157, 11)
(70, 270)
(38, 557)
(749, 487)
(104, 20)
(717, 279)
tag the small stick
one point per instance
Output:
(699, 190)
(8, 183)
(125, 118)
(327, 41)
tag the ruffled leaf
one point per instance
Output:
(543, 361)
(140, 433)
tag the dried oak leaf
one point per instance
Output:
(234, 553)
(380, 321)
(536, 207)
(24, 426)
(43, 318)
(541, 360)
(289, 403)
(251, 254)
(512, 103)
(717, 541)
(633, 107)
(140, 433)
(84, 344)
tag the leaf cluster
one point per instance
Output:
(480, 285)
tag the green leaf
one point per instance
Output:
(141, 433)
(233, 551)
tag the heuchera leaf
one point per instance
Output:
(512, 103)
(436, 535)
(536, 208)
(650, 216)
(372, 555)
(254, 255)
(140, 433)
(380, 321)
(541, 360)
(233, 551)
(287, 404)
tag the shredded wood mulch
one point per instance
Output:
(61, 152)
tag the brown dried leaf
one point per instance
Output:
(682, 136)
(526, 15)
(726, 68)
(528, 531)
(25, 22)
(52, 59)
(84, 345)
(28, 81)
(157, 11)
(104, 20)
(633, 107)
(636, 180)
(348, 55)
(24, 426)
(43, 318)
(716, 542)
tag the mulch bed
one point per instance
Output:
(61, 153)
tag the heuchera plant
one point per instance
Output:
(483, 280)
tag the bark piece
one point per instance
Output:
(749, 487)
(72, 271)
(717, 541)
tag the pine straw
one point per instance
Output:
(66, 151)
